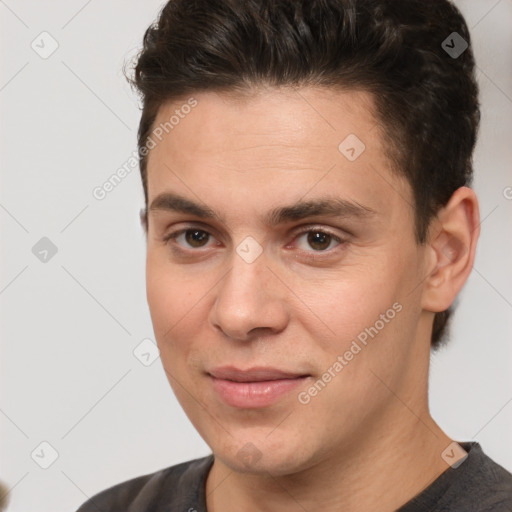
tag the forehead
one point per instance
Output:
(278, 118)
(276, 141)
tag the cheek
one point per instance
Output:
(179, 303)
(162, 299)
(371, 304)
(171, 298)
(169, 291)
(346, 301)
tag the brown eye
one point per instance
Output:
(189, 239)
(196, 237)
(319, 241)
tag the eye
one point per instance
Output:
(189, 238)
(310, 240)
(318, 240)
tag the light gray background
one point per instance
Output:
(69, 326)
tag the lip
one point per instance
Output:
(255, 387)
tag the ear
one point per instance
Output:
(453, 236)
(143, 215)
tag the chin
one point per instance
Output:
(261, 455)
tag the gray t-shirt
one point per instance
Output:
(477, 485)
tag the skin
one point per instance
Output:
(366, 441)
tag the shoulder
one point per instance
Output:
(170, 486)
(477, 484)
(482, 485)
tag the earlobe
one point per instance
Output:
(452, 240)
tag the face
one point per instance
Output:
(283, 276)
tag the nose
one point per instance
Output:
(250, 301)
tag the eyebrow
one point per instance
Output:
(338, 207)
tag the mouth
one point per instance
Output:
(254, 387)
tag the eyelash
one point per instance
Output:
(310, 229)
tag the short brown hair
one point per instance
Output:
(426, 97)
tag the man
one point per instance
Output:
(309, 224)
